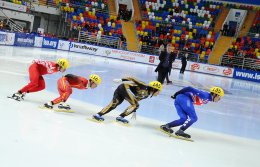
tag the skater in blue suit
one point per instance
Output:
(185, 99)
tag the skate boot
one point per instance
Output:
(64, 106)
(166, 129)
(121, 119)
(97, 117)
(48, 105)
(182, 134)
(18, 96)
(169, 82)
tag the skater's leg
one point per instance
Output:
(64, 89)
(34, 77)
(117, 100)
(134, 103)
(188, 107)
(39, 87)
(190, 111)
(182, 115)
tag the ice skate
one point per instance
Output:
(182, 134)
(64, 106)
(122, 120)
(17, 96)
(98, 118)
(48, 105)
(169, 82)
(166, 129)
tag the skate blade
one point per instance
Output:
(94, 120)
(10, 97)
(123, 124)
(64, 110)
(176, 137)
(42, 107)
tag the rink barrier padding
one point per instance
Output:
(29, 40)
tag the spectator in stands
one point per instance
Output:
(225, 29)
(166, 59)
(1, 24)
(122, 42)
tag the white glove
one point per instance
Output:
(117, 80)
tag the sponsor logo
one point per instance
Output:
(247, 75)
(76, 46)
(210, 69)
(50, 43)
(25, 40)
(151, 59)
(108, 52)
(61, 44)
(195, 67)
(227, 71)
(127, 57)
(2, 37)
(121, 52)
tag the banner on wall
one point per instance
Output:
(26, 40)
(2, 38)
(12, 6)
(51, 43)
(210, 69)
(63, 45)
(38, 42)
(10, 37)
(124, 55)
(247, 75)
(84, 48)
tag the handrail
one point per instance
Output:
(240, 62)
(97, 9)
(12, 23)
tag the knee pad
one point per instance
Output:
(114, 103)
(194, 119)
(183, 120)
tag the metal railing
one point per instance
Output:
(100, 40)
(155, 51)
(240, 62)
(11, 23)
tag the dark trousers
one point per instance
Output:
(121, 94)
(183, 67)
(162, 74)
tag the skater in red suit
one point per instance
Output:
(37, 69)
(65, 85)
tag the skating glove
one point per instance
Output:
(133, 116)
(175, 95)
(117, 80)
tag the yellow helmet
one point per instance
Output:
(217, 90)
(156, 85)
(95, 78)
(63, 63)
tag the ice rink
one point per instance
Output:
(227, 134)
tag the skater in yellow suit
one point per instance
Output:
(133, 92)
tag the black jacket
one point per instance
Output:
(162, 59)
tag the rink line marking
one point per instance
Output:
(13, 73)
(96, 71)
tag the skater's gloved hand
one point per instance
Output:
(117, 80)
(133, 116)
(174, 96)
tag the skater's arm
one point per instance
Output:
(71, 76)
(134, 80)
(187, 89)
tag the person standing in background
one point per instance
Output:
(166, 59)
(183, 62)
